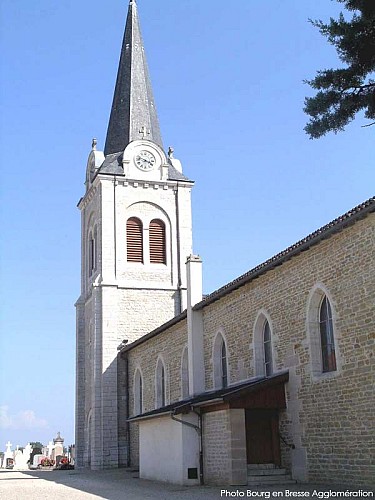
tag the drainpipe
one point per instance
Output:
(198, 428)
(201, 477)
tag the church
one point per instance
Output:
(267, 380)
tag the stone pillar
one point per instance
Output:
(238, 458)
(224, 447)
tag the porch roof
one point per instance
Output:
(254, 393)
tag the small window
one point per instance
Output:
(138, 393)
(157, 242)
(267, 349)
(134, 240)
(162, 377)
(160, 384)
(322, 334)
(224, 370)
(220, 362)
(326, 336)
(263, 345)
(92, 252)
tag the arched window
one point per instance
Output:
(321, 333)
(267, 349)
(160, 384)
(138, 393)
(134, 240)
(157, 242)
(262, 342)
(326, 336)
(92, 251)
(185, 374)
(224, 370)
(220, 362)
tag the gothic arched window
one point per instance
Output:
(134, 240)
(157, 242)
(267, 349)
(160, 384)
(224, 370)
(326, 336)
(138, 393)
(92, 251)
(263, 345)
(324, 355)
(220, 362)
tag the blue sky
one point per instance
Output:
(228, 82)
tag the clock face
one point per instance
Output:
(145, 160)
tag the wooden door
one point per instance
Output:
(262, 437)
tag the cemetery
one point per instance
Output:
(50, 457)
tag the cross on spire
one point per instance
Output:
(144, 131)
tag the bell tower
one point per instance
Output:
(136, 232)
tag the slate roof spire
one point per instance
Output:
(133, 114)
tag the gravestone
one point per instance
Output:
(20, 459)
(8, 453)
(50, 449)
(27, 453)
(36, 451)
(58, 446)
(36, 461)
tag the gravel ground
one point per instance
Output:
(122, 484)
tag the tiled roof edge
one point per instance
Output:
(155, 332)
(337, 225)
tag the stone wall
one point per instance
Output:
(216, 458)
(168, 345)
(224, 447)
(328, 417)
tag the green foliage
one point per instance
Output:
(36, 444)
(342, 93)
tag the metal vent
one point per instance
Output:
(134, 239)
(193, 473)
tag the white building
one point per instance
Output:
(128, 286)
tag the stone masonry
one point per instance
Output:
(328, 416)
(121, 300)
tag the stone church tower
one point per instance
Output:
(135, 237)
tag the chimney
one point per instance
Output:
(195, 326)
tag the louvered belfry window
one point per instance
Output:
(157, 242)
(134, 240)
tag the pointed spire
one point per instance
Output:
(133, 114)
